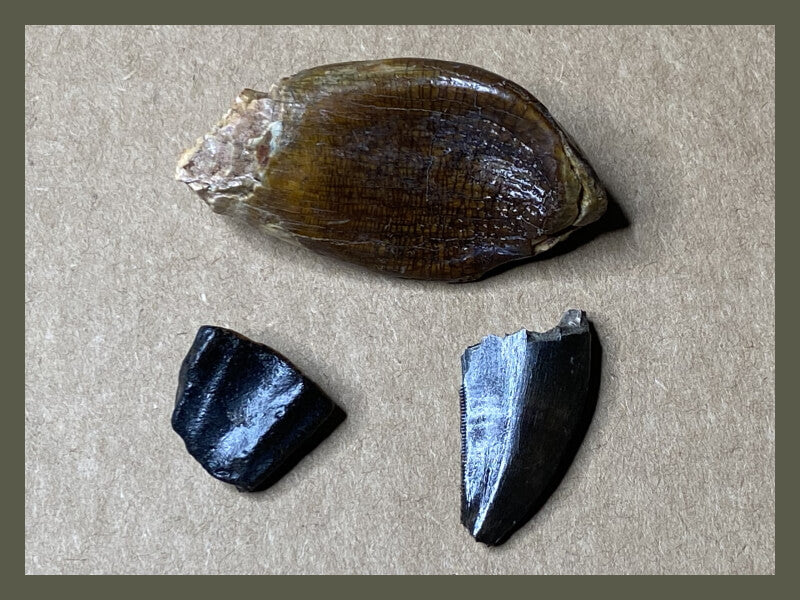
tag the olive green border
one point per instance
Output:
(407, 12)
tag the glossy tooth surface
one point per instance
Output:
(526, 401)
(418, 168)
(246, 414)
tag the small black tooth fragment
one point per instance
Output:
(246, 414)
(526, 402)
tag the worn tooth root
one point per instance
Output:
(526, 401)
(224, 166)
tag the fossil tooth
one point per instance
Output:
(526, 401)
(419, 168)
(246, 414)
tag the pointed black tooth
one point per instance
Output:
(246, 414)
(526, 402)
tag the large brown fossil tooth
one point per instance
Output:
(415, 167)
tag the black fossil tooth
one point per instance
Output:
(526, 402)
(245, 412)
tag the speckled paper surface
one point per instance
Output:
(123, 264)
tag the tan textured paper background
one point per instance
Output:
(123, 264)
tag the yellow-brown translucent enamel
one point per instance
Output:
(415, 167)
